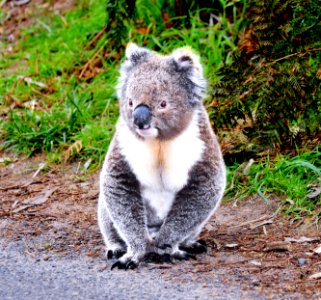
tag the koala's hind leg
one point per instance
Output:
(116, 247)
(120, 191)
(154, 223)
(191, 209)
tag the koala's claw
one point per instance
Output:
(124, 266)
(202, 242)
(118, 265)
(110, 254)
(191, 256)
(131, 265)
(197, 247)
(115, 254)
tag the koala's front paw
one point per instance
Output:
(124, 265)
(128, 261)
(182, 255)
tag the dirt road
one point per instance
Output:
(81, 277)
(51, 248)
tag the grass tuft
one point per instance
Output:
(46, 104)
(58, 83)
(292, 179)
(57, 92)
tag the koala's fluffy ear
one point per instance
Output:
(135, 54)
(185, 59)
(187, 62)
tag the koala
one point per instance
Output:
(164, 174)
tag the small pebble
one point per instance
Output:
(231, 245)
(46, 257)
(302, 261)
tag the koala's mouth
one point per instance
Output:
(147, 132)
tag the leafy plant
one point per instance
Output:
(63, 101)
(271, 94)
(293, 179)
(57, 87)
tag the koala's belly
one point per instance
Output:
(162, 168)
(159, 200)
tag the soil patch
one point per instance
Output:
(20, 14)
(54, 213)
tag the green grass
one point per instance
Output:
(65, 110)
(73, 118)
(293, 179)
(68, 109)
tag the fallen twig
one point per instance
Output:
(265, 222)
(303, 52)
(21, 2)
(317, 250)
(38, 200)
(18, 186)
(89, 62)
(95, 38)
(302, 239)
(315, 276)
(263, 218)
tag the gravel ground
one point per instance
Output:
(81, 277)
(51, 248)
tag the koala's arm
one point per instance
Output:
(121, 192)
(193, 206)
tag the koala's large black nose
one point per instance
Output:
(142, 116)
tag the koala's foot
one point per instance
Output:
(182, 255)
(194, 247)
(124, 265)
(153, 257)
(174, 252)
(117, 253)
(130, 260)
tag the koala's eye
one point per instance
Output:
(163, 104)
(130, 103)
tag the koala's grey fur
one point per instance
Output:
(160, 184)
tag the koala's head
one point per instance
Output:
(159, 94)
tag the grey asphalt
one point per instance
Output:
(80, 277)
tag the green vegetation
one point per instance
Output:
(57, 86)
(55, 100)
(263, 63)
(272, 95)
(296, 180)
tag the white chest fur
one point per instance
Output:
(161, 167)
